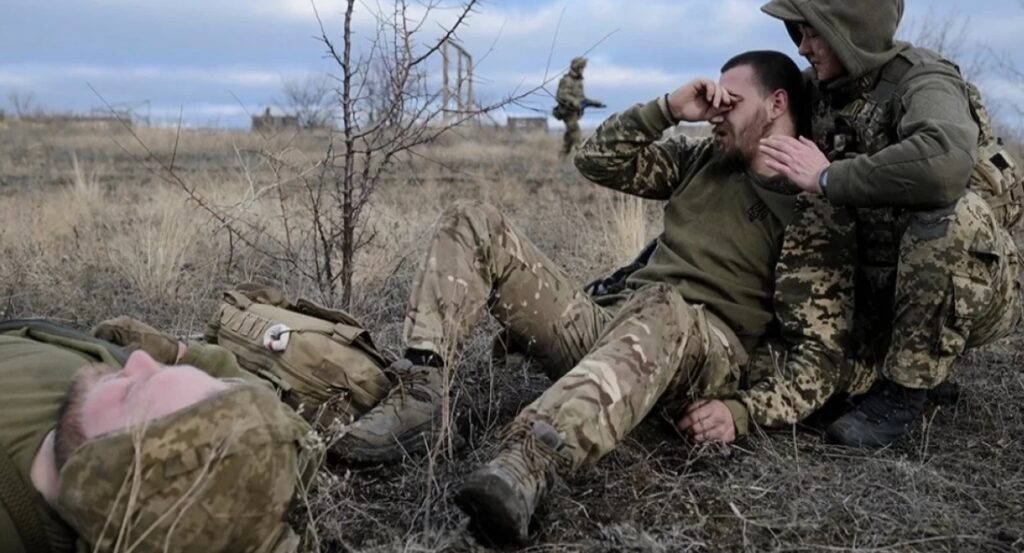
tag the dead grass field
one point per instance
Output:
(88, 233)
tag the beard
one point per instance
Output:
(737, 157)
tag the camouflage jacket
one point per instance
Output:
(570, 92)
(806, 267)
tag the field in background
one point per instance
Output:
(88, 232)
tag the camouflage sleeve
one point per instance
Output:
(626, 153)
(931, 163)
(814, 308)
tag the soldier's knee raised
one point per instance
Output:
(469, 211)
(961, 220)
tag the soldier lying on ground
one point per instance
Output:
(898, 132)
(725, 271)
(118, 451)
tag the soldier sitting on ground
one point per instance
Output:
(726, 274)
(122, 452)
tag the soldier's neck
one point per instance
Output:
(780, 127)
(44, 475)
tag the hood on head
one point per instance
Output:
(578, 64)
(861, 32)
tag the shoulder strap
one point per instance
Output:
(20, 505)
(892, 74)
(43, 330)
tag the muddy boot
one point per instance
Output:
(132, 334)
(406, 422)
(501, 496)
(887, 412)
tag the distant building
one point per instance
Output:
(269, 123)
(97, 123)
(527, 124)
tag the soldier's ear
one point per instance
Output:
(778, 104)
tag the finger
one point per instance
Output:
(776, 154)
(696, 405)
(718, 97)
(686, 423)
(779, 168)
(709, 91)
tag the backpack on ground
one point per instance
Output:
(322, 360)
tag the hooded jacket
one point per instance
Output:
(928, 162)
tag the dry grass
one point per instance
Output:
(84, 241)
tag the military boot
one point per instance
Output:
(132, 334)
(501, 496)
(887, 412)
(406, 422)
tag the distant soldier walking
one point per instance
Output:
(571, 103)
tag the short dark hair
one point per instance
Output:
(774, 71)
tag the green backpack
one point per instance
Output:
(996, 177)
(322, 360)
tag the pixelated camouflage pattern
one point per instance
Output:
(918, 267)
(814, 295)
(958, 286)
(217, 476)
(627, 153)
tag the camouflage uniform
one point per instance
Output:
(936, 273)
(571, 103)
(232, 457)
(660, 346)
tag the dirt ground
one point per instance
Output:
(88, 232)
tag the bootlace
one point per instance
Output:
(527, 454)
(408, 380)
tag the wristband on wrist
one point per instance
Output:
(668, 110)
(823, 181)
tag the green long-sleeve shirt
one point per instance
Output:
(726, 246)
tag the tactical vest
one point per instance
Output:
(868, 124)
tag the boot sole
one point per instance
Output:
(415, 442)
(487, 500)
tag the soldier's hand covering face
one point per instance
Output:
(699, 100)
(143, 390)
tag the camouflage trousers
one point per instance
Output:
(610, 369)
(954, 284)
(572, 136)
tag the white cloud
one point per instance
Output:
(15, 79)
(225, 76)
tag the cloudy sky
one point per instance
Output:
(217, 60)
